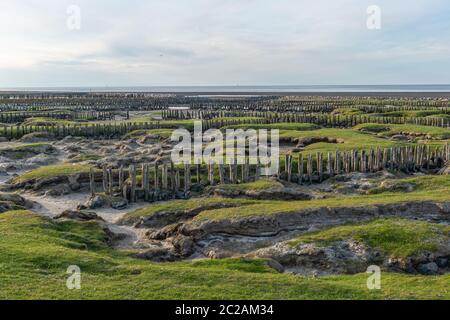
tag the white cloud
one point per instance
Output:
(214, 42)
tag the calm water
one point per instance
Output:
(249, 89)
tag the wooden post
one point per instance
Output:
(221, 173)
(121, 178)
(231, 167)
(92, 181)
(211, 173)
(172, 179)
(164, 177)
(132, 172)
(110, 182)
(320, 166)
(198, 173)
(145, 181)
(156, 179)
(105, 180)
(338, 162)
(309, 168)
(354, 160)
(330, 164)
(187, 178)
(289, 168)
(300, 168)
(177, 180)
(370, 162)
(246, 169)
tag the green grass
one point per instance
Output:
(35, 254)
(28, 147)
(25, 150)
(280, 126)
(25, 147)
(43, 121)
(427, 188)
(85, 157)
(262, 184)
(163, 133)
(432, 113)
(400, 238)
(392, 129)
(419, 184)
(174, 124)
(351, 140)
(53, 171)
(181, 205)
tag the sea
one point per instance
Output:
(237, 89)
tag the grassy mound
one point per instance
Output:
(352, 139)
(262, 184)
(426, 188)
(53, 171)
(280, 126)
(85, 157)
(163, 133)
(44, 121)
(36, 253)
(395, 237)
(11, 201)
(181, 206)
(410, 129)
(26, 150)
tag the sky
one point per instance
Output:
(222, 42)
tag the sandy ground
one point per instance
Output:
(52, 206)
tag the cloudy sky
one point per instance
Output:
(222, 42)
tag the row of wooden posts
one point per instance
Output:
(13, 117)
(329, 121)
(164, 181)
(117, 102)
(114, 129)
(105, 130)
(216, 119)
(270, 111)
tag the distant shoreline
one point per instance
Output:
(205, 94)
(411, 90)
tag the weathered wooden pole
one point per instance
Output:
(257, 170)
(320, 166)
(105, 180)
(164, 174)
(289, 168)
(110, 182)
(187, 178)
(300, 168)
(221, 173)
(145, 181)
(121, 178)
(132, 171)
(156, 180)
(198, 167)
(172, 179)
(309, 168)
(177, 180)
(92, 181)
(330, 164)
